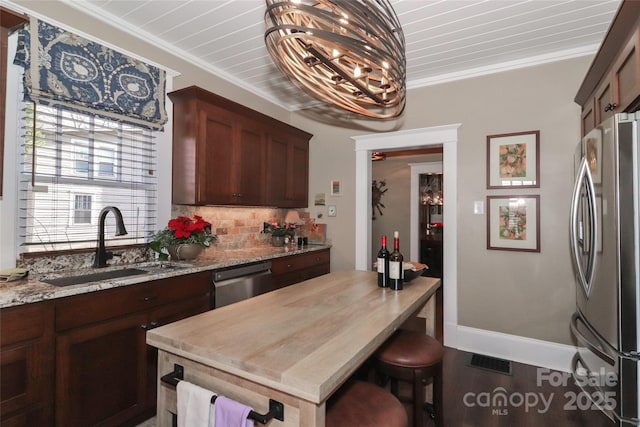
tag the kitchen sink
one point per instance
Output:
(95, 277)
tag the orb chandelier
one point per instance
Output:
(349, 53)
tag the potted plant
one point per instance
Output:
(280, 232)
(183, 238)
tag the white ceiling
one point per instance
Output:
(445, 39)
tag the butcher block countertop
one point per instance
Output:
(304, 340)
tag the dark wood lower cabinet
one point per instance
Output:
(105, 372)
(101, 373)
(83, 360)
(26, 365)
(297, 268)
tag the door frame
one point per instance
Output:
(447, 136)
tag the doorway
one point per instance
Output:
(447, 136)
(426, 213)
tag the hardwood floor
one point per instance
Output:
(470, 391)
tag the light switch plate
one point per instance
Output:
(478, 207)
(332, 210)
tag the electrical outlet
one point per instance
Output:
(332, 210)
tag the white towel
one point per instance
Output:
(194, 406)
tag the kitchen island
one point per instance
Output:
(296, 345)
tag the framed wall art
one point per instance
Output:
(513, 160)
(513, 223)
(336, 188)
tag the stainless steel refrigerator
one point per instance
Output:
(605, 230)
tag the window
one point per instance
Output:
(81, 156)
(75, 165)
(82, 209)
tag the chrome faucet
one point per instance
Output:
(101, 253)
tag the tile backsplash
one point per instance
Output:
(236, 228)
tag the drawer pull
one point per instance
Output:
(610, 107)
(150, 298)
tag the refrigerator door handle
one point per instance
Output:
(585, 275)
(597, 350)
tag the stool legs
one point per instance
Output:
(418, 378)
(438, 397)
(419, 382)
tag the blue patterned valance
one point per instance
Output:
(66, 70)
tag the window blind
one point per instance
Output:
(74, 164)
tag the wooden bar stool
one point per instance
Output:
(414, 357)
(362, 404)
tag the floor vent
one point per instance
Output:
(491, 363)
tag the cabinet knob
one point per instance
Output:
(610, 107)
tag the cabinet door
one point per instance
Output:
(216, 161)
(605, 104)
(26, 365)
(249, 165)
(163, 316)
(298, 179)
(277, 170)
(101, 373)
(626, 74)
(288, 171)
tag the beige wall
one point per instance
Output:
(517, 293)
(526, 294)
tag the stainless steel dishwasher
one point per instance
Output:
(233, 284)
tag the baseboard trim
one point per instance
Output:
(531, 351)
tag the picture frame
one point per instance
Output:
(513, 160)
(336, 187)
(513, 223)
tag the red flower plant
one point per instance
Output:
(183, 230)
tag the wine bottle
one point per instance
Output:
(396, 270)
(383, 264)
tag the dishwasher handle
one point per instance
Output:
(245, 270)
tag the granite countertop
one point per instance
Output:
(32, 289)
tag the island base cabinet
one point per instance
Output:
(297, 411)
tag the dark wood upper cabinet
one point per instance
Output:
(612, 84)
(9, 20)
(227, 154)
(288, 172)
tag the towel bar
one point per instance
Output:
(276, 409)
